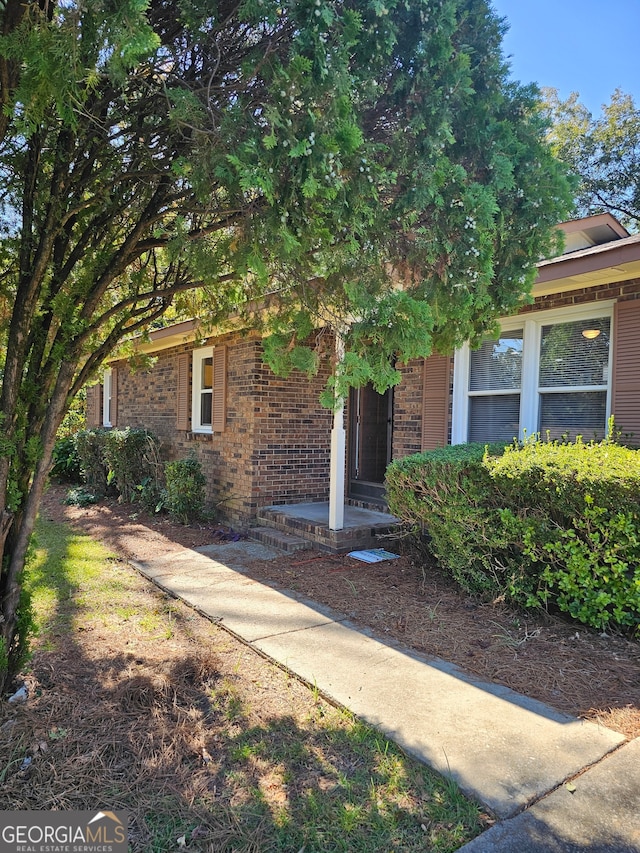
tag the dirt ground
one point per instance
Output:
(407, 601)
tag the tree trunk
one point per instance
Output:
(16, 531)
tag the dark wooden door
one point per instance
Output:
(370, 424)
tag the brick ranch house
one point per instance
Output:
(563, 365)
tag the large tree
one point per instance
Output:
(321, 150)
(603, 153)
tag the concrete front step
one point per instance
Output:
(363, 528)
(278, 539)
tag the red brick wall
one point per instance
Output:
(292, 439)
(407, 410)
(583, 295)
(275, 446)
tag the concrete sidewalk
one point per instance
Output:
(515, 755)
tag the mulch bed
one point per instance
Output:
(408, 601)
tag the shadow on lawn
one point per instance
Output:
(135, 704)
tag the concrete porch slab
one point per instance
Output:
(363, 528)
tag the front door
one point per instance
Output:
(370, 420)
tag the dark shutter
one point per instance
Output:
(219, 414)
(625, 392)
(183, 396)
(92, 406)
(435, 401)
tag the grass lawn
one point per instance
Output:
(136, 702)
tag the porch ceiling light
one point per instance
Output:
(590, 334)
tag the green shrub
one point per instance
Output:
(448, 495)
(558, 476)
(80, 497)
(129, 455)
(184, 495)
(151, 494)
(122, 458)
(543, 523)
(592, 569)
(66, 461)
(90, 447)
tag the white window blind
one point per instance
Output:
(497, 364)
(573, 378)
(495, 379)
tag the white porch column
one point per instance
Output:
(338, 454)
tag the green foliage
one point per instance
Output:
(122, 459)
(449, 495)
(66, 466)
(81, 496)
(75, 417)
(603, 153)
(90, 447)
(592, 569)
(151, 495)
(560, 476)
(129, 455)
(541, 523)
(185, 493)
(310, 153)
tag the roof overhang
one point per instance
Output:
(171, 336)
(604, 264)
(601, 228)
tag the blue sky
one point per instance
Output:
(585, 46)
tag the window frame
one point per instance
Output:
(218, 356)
(198, 357)
(107, 397)
(530, 390)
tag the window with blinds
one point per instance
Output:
(206, 391)
(573, 378)
(495, 380)
(549, 375)
(109, 397)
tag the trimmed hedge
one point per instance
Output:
(538, 523)
(448, 495)
(559, 476)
